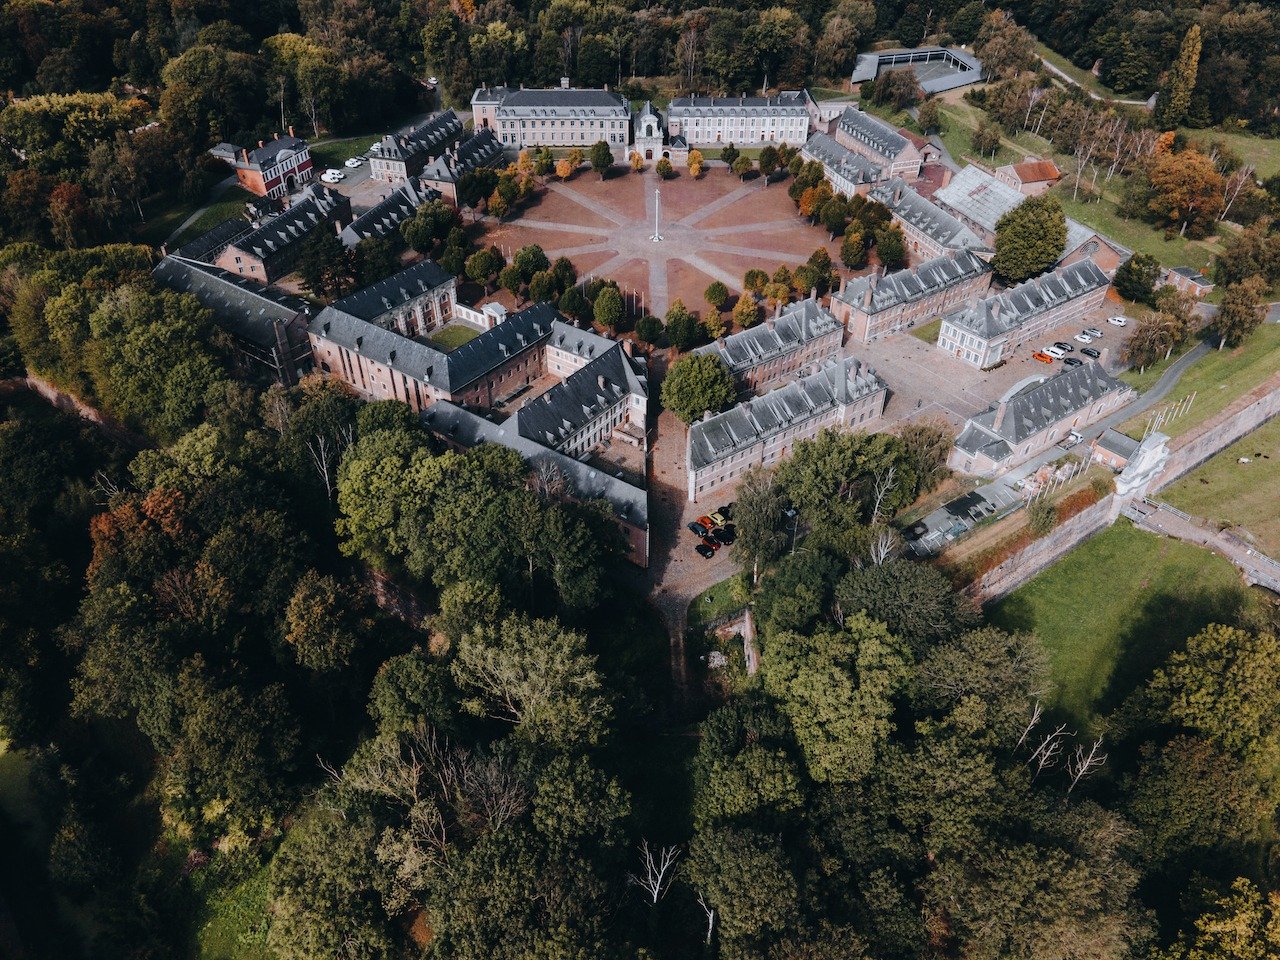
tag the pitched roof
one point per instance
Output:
(379, 300)
(1118, 443)
(1034, 408)
(1036, 171)
(556, 99)
(798, 324)
(294, 224)
(979, 197)
(431, 137)
(630, 503)
(566, 408)
(725, 106)
(487, 94)
(481, 149)
(1195, 276)
(874, 132)
(913, 283)
(273, 151)
(839, 382)
(994, 316)
(245, 308)
(208, 245)
(925, 216)
(840, 160)
(388, 213)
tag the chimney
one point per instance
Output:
(244, 154)
(600, 381)
(1001, 407)
(261, 144)
(629, 348)
(276, 135)
(164, 250)
(897, 194)
(813, 293)
(564, 83)
(291, 130)
(870, 291)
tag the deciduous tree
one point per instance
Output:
(1030, 238)
(697, 384)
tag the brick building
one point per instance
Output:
(399, 156)
(276, 168)
(763, 430)
(270, 250)
(1031, 177)
(443, 174)
(928, 229)
(880, 143)
(871, 307)
(718, 121)
(794, 337)
(990, 330)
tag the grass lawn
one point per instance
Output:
(1083, 77)
(335, 152)
(1217, 379)
(927, 332)
(234, 918)
(1262, 152)
(1136, 235)
(452, 337)
(831, 93)
(1239, 494)
(230, 204)
(896, 118)
(959, 121)
(1113, 609)
(722, 599)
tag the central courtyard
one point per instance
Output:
(714, 228)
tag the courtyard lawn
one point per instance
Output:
(928, 332)
(230, 204)
(717, 601)
(1113, 609)
(1140, 237)
(333, 153)
(452, 337)
(1218, 379)
(1238, 494)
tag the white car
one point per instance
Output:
(333, 176)
(354, 162)
(1093, 332)
(1083, 338)
(1118, 321)
(432, 81)
(1056, 352)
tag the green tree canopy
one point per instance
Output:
(696, 384)
(1030, 238)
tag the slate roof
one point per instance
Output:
(915, 283)
(246, 309)
(388, 213)
(489, 94)
(293, 225)
(995, 316)
(382, 298)
(431, 137)
(554, 101)
(1034, 408)
(839, 381)
(275, 150)
(840, 160)
(208, 245)
(630, 503)
(798, 324)
(926, 216)
(481, 149)
(1195, 276)
(786, 101)
(874, 132)
(1118, 443)
(451, 371)
(579, 398)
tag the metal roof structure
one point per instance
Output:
(938, 68)
(924, 215)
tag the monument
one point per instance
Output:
(657, 213)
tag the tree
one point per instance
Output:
(1135, 279)
(574, 304)
(608, 309)
(1005, 48)
(601, 158)
(1171, 109)
(636, 161)
(729, 155)
(897, 88)
(1030, 238)
(929, 116)
(853, 247)
(543, 287)
(1242, 925)
(747, 880)
(915, 601)
(742, 166)
(316, 627)
(564, 169)
(834, 215)
(535, 675)
(483, 265)
(696, 163)
(754, 280)
(768, 159)
(529, 259)
(986, 138)
(716, 294)
(664, 168)
(70, 218)
(746, 312)
(509, 279)
(498, 205)
(576, 156)
(649, 329)
(1186, 191)
(1006, 672)
(324, 265)
(760, 521)
(891, 247)
(696, 384)
(1241, 312)
(683, 329)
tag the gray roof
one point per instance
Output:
(839, 382)
(913, 283)
(456, 369)
(927, 217)
(245, 308)
(840, 160)
(968, 69)
(294, 224)
(994, 316)
(873, 132)
(798, 324)
(481, 149)
(1118, 443)
(1034, 408)
(630, 503)
(487, 94)
(1195, 276)
(976, 195)
(208, 245)
(266, 156)
(382, 298)
(788, 101)
(559, 101)
(387, 214)
(562, 411)
(432, 137)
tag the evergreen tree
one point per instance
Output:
(1175, 101)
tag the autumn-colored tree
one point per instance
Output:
(754, 280)
(69, 215)
(564, 169)
(853, 247)
(664, 168)
(1240, 313)
(636, 161)
(746, 312)
(1174, 101)
(1186, 191)
(696, 163)
(576, 156)
(498, 205)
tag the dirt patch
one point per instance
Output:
(688, 283)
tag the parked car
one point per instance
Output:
(1056, 352)
(1071, 439)
(1042, 357)
(711, 542)
(1083, 338)
(726, 511)
(1073, 362)
(708, 523)
(1064, 347)
(726, 535)
(704, 551)
(1091, 353)
(354, 162)
(1118, 321)
(718, 518)
(333, 175)
(697, 529)
(1094, 332)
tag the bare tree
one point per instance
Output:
(1232, 187)
(711, 915)
(1036, 713)
(884, 546)
(105, 486)
(1081, 764)
(548, 481)
(1050, 749)
(885, 482)
(657, 871)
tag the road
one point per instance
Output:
(1067, 78)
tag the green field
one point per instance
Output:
(717, 601)
(959, 120)
(831, 93)
(452, 337)
(1238, 494)
(1145, 379)
(1113, 609)
(1217, 379)
(1103, 216)
(332, 153)
(1262, 152)
(230, 204)
(928, 332)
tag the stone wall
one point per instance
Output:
(1041, 553)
